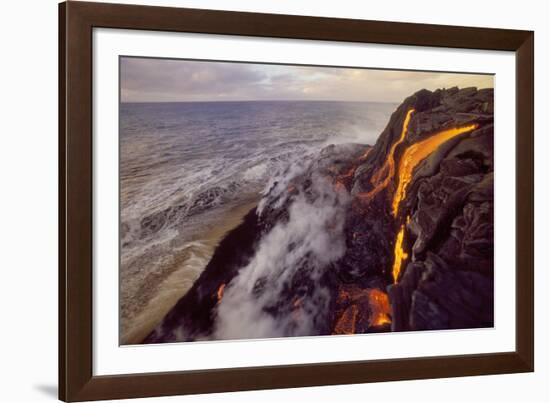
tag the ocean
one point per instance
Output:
(190, 171)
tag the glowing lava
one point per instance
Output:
(416, 153)
(379, 308)
(380, 181)
(412, 156)
(346, 322)
(399, 254)
(341, 182)
(355, 299)
(219, 294)
(365, 154)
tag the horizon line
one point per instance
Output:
(257, 100)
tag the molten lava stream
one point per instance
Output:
(379, 305)
(374, 300)
(219, 293)
(416, 153)
(340, 181)
(399, 253)
(412, 156)
(389, 166)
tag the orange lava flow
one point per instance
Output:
(220, 292)
(340, 181)
(366, 307)
(416, 153)
(399, 254)
(346, 322)
(379, 308)
(350, 173)
(380, 181)
(365, 155)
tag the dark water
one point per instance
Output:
(183, 165)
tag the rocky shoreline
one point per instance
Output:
(397, 236)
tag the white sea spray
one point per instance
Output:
(310, 241)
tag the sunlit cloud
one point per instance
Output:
(167, 80)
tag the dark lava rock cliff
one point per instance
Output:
(391, 237)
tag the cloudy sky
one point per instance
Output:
(165, 80)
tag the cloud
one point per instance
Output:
(172, 80)
(165, 80)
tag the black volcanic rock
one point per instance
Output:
(449, 283)
(446, 279)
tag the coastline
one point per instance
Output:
(331, 253)
(189, 264)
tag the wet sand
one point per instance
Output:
(188, 265)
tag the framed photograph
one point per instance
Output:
(252, 201)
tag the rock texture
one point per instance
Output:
(448, 283)
(445, 280)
